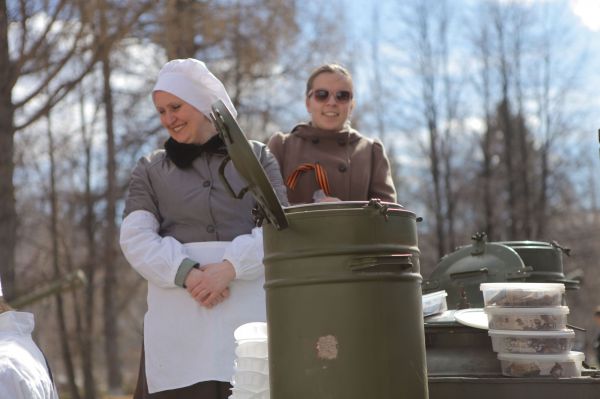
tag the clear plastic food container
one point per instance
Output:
(434, 303)
(256, 331)
(259, 349)
(260, 365)
(527, 319)
(250, 381)
(527, 365)
(534, 295)
(237, 393)
(539, 342)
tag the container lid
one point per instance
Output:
(551, 310)
(474, 317)
(247, 165)
(558, 357)
(249, 331)
(434, 295)
(566, 333)
(545, 258)
(551, 287)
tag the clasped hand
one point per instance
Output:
(209, 284)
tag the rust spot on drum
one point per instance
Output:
(327, 347)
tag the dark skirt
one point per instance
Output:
(201, 390)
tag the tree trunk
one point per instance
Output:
(87, 347)
(110, 279)
(8, 215)
(179, 29)
(506, 124)
(522, 136)
(54, 233)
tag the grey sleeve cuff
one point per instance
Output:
(184, 269)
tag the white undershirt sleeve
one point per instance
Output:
(156, 258)
(246, 255)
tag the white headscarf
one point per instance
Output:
(190, 80)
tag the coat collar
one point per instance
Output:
(309, 132)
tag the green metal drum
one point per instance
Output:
(343, 292)
(344, 313)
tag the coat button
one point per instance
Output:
(342, 168)
(315, 140)
(210, 228)
(206, 183)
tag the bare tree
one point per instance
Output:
(483, 80)
(54, 236)
(379, 96)
(426, 25)
(555, 82)
(86, 328)
(110, 281)
(103, 31)
(56, 79)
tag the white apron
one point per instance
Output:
(186, 343)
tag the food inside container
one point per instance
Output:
(527, 365)
(539, 342)
(527, 319)
(523, 294)
(434, 303)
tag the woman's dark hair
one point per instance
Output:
(326, 68)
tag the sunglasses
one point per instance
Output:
(321, 95)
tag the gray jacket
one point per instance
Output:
(193, 205)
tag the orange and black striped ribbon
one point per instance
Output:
(320, 175)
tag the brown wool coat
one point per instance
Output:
(356, 166)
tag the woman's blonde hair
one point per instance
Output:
(326, 68)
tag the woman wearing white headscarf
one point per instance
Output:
(195, 244)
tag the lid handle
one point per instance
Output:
(242, 192)
(469, 273)
(384, 263)
(246, 162)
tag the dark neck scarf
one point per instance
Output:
(183, 155)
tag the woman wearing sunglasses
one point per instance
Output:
(326, 159)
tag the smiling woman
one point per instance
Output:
(184, 123)
(196, 245)
(326, 159)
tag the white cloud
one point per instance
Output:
(588, 11)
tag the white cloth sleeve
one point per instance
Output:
(246, 255)
(156, 258)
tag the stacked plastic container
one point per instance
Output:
(528, 327)
(251, 377)
(434, 303)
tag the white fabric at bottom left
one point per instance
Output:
(23, 371)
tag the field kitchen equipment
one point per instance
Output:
(461, 361)
(343, 291)
(461, 272)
